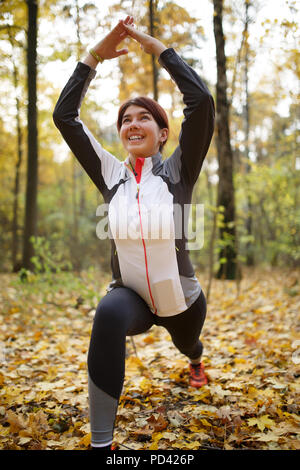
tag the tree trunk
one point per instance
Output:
(16, 191)
(15, 223)
(249, 250)
(77, 187)
(32, 158)
(152, 6)
(228, 265)
(79, 170)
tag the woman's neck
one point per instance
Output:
(132, 161)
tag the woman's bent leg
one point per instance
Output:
(185, 328)
(120, 313)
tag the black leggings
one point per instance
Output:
(123, 313)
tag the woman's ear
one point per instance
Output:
(164, 135)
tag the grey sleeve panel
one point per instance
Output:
(103, 410)
(199, 112)
(191, 288)
(172, 166)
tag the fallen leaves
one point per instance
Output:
(251, 352)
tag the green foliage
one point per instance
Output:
(46, 260)
(84, 287)
(274, 191)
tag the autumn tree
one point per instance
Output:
(30, 224)
(226, 199)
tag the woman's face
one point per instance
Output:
(140, 133)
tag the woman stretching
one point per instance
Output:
(153, 281)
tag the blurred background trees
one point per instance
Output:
(261, 67)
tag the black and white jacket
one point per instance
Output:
(148, 257)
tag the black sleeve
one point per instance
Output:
(199, 113)
(100, 165)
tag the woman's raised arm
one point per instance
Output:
(100, 165)
(198, 125)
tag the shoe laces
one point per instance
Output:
(197, 369)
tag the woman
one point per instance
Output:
(153, 279)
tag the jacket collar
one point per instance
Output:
(143, 166)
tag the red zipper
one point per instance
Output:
(138, 174)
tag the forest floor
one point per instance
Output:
(251, 353)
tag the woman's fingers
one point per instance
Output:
(138, 36)
(128, 20)
(119, 28)
(121, 52)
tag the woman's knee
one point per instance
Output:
(109, 313)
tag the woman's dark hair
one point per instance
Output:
(158, 113)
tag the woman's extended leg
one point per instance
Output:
(120, 313)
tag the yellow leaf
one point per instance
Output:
(85, 440)
(262, 422)
(149, 339)
(192, 445)
(201, 396)
(153, 446)
(239, 360)
(37, 335)
(194, 428)
(204, 422)
(61, 347)
(134, 364)
(157, 436)
(146, 385)
(252, 392)
(37, 423)
(16, 422)
(1, 379)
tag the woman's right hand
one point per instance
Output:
(107, 47)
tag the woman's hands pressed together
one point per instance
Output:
(107, 47)
(147, 42)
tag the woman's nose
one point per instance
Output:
(134, 124)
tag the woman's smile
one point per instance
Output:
(135, 138)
